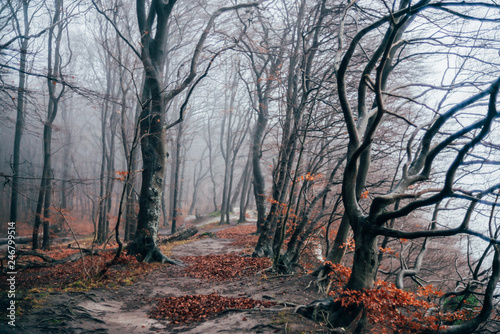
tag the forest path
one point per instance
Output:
(127, 308)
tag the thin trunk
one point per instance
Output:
(65, 193)
(239, 186)
(287, 149)
(164, 209)
(226, 155)
(38, 213)
(101, 231)
(110, 180)
(244, 188)
(130, 155)
(249, 201)
(48, 194)
(198, 178)
(259, 184)
(181, 181)
(229, 209)
(45, 192)
(172, 181)
(130, 219)
(211, 169)
(178, 144)
(19, 118)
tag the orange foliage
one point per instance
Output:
(224, 266)
(236, 231)
(61, 275)
(242, 235)
(429, 290)
(281, 206)
(389, 250)
(309, 177)
(392, 310)
(339, 274)
(121, 175)
(186, 309)
(350, 244)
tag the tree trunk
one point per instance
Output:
(338, 249)
(182, 180)
(178, 143)
(65, 193)
(198, 178)
(38, 212)
(237, 190)
(194, 198)
(44, 197)
(164, 209)
(365, 262)
(152, 119)
(170, 186)
(210, 166)
(131, 157)
(281, 175)
(226, 153)
(19, 118)
(153, 156)
(259, 185)
(265, 243)
(244, 189)
(101, 233)
(130, 218)
(48, 194)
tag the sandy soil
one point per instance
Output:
(126, 309)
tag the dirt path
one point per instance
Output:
(126, 309)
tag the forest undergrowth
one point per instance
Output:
(387, 309)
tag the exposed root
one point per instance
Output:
(156, 255)
(323, 283)
(150, 253)
(329, 311)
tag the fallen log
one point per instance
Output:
(49, 261)
(18, 240)
(182, 235)
(27, 239)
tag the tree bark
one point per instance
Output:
(175, 200)
(53, 66)
(152, 119)
(19, 117)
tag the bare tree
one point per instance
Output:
(234, 129)
(302, 53)
(20, 105)
(438, 152)
(199, 174)
(153, 22)
(54, 67)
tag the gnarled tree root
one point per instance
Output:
(331, 312)
(156, 255)
(151, 254)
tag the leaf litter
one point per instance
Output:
(224, 266)
(192, 308)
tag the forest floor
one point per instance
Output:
(141, 305)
